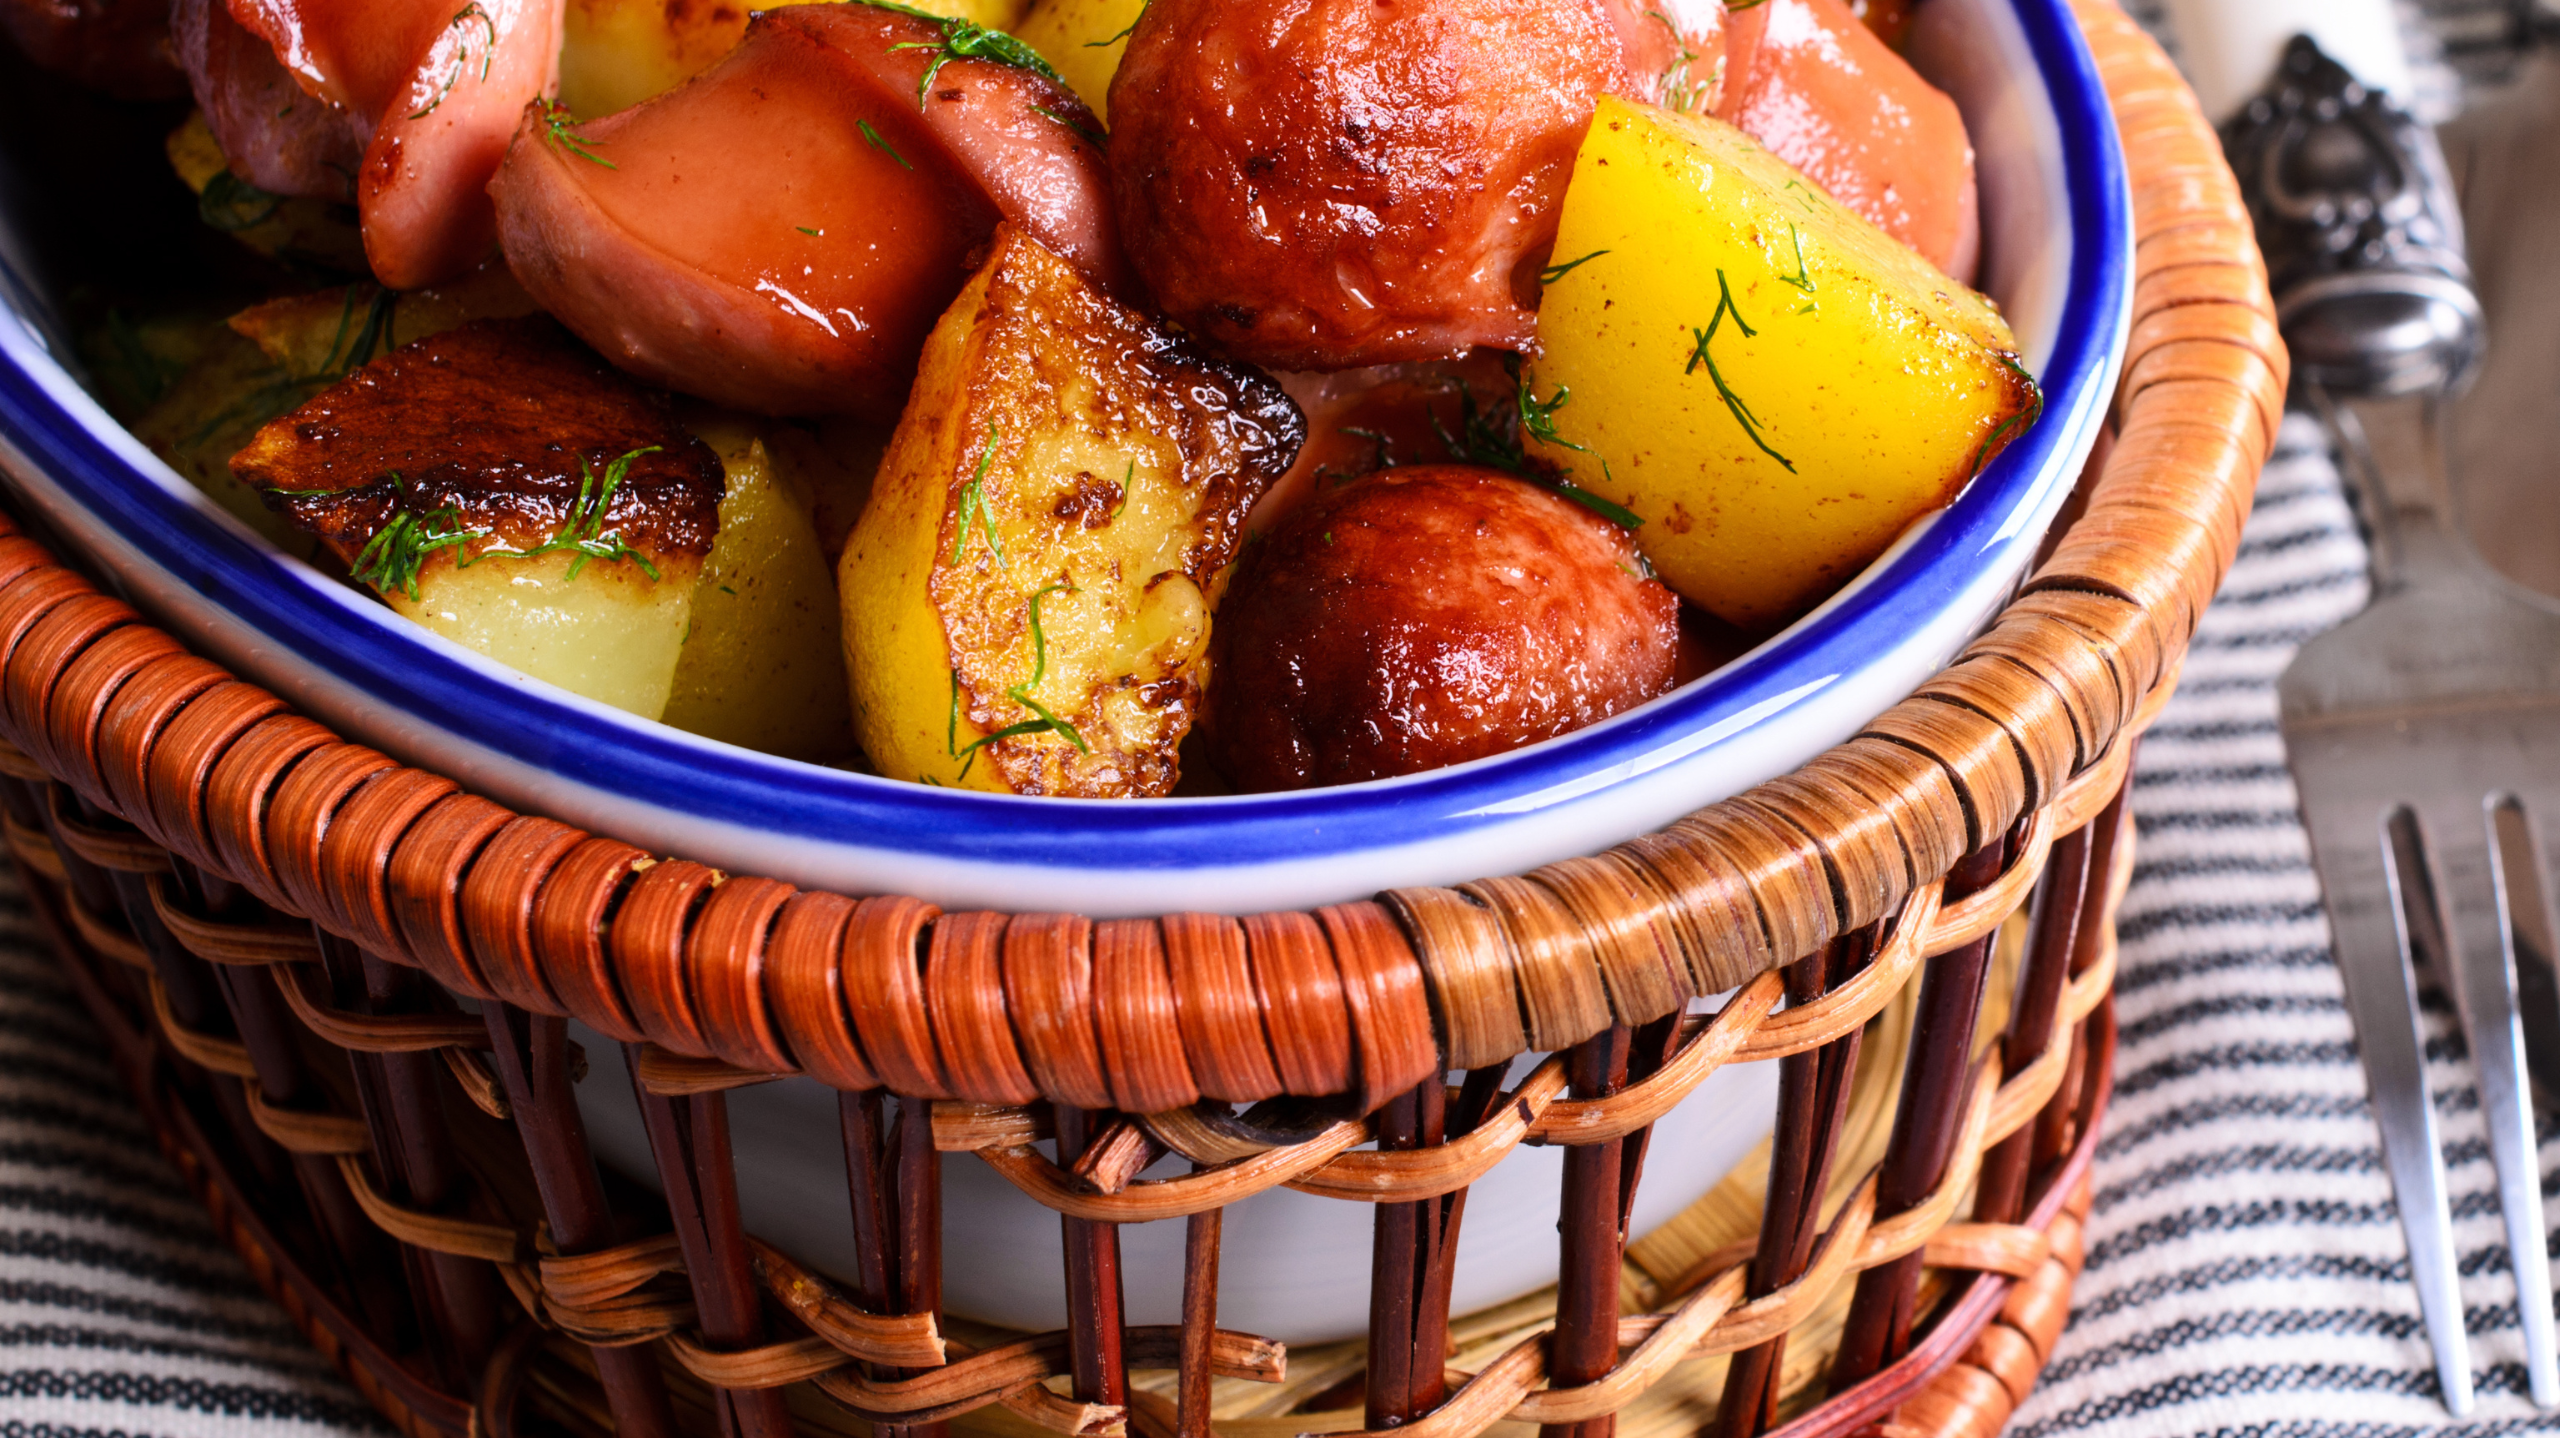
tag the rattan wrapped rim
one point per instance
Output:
(733, 977)
(2018, 752)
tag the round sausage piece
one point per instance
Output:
(1427, 616)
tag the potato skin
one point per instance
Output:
(1427, 616)
(1325, 184)
(1054, 521)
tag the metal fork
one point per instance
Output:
(2424, 734)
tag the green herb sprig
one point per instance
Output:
(975, 507)
(280, 390)
(1704, 354)
(1553, 273)
(231, 204)
(965, 40)
(1107, 41)
(1679, 93)
(584, 535)
(460, 25)
(1046, 723)
(556, 121)
(872, 136)
(1495, 440)
(1803, 277)
(401, 547)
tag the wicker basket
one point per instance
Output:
(275, 928)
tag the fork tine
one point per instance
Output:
(2459, 845)
(2351, 847)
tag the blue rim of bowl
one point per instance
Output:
(584, 745)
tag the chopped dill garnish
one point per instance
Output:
(965, 40)
(231, 204)
(1385, 459)
(725, 589)
(1082, 132)
(281, 391)
(1495, 440)
(583, 535)
(883, 146)
(556, 121)
(401, 547)
(813, 234)
(1803, 277)
(1703, 354)
(1107, 41)
(1679, 93)
(1125, 477)
(1553, 273)
(1045, 723)
(974, 506)
(462, 18)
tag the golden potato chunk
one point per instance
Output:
(763, 667)
(500, 485)
(1773, 384)
(1027, 594)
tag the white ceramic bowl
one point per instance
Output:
(2057, 256)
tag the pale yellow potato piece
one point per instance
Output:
(611, 634)
(208, 414)
(1027, 595)
(1083, 41)
(616, 53)
(763, 667)
(1774, 385)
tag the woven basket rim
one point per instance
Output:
(2030, 723)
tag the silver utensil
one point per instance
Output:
(2424, 734)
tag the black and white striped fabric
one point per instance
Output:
(121, 1314)
(2246, 1270)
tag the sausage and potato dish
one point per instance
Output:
(1079, 398)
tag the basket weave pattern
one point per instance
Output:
(257, 910)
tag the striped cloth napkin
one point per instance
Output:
(2246, 1274)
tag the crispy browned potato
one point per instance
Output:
(118, 46)
(1428, 616)
(779, 234)
(1027, 596)
(500, 485)
(1325, 184)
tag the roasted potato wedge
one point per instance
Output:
(763, 666)
(1027, 595)
(1774, 385)
(500, 485)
